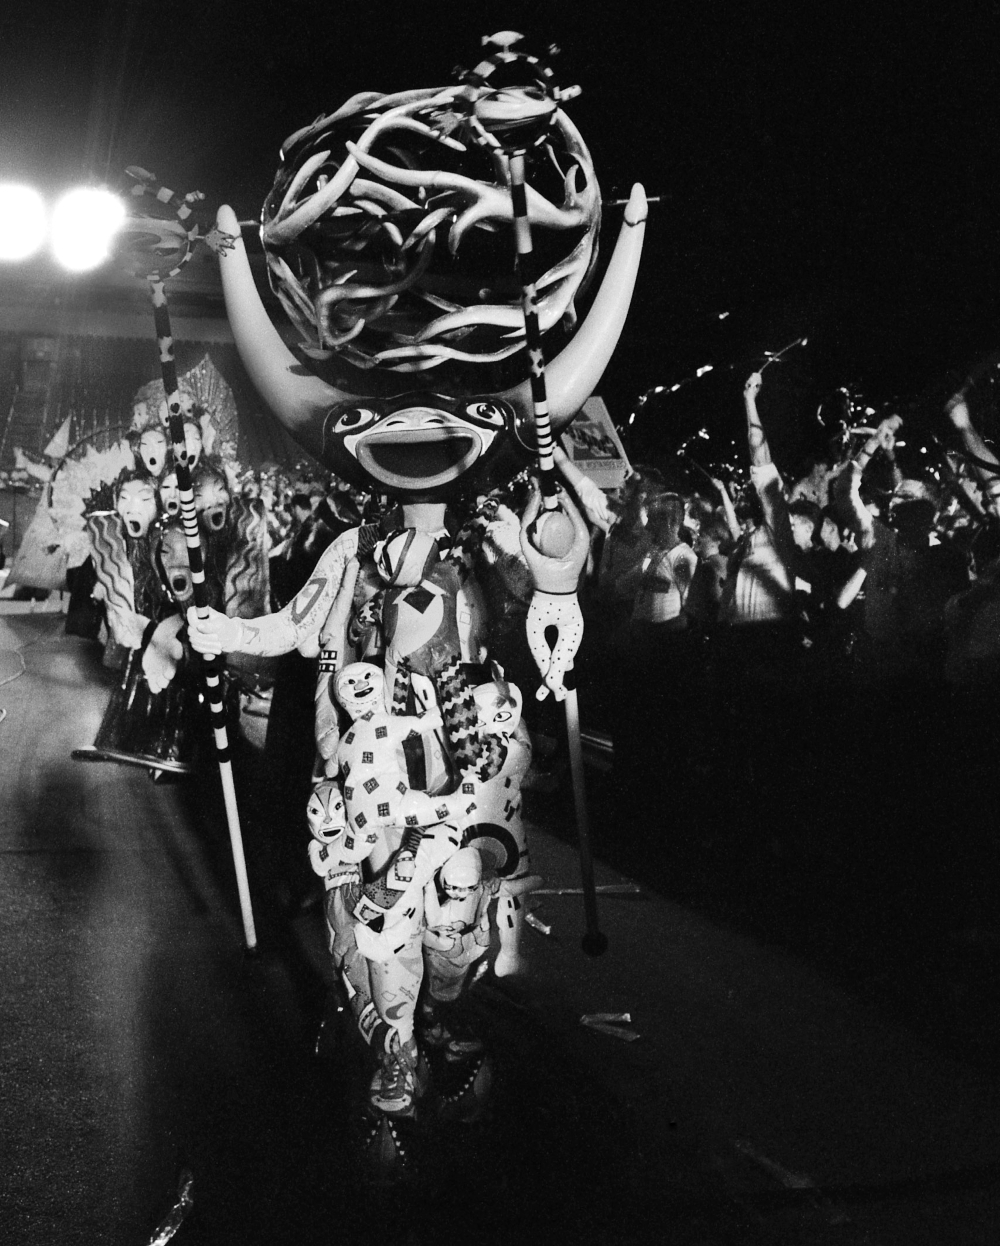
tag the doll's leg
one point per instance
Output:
(510, 926)
(563, 613)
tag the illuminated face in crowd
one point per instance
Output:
(137, 506)
(360, 688)
(153, 450)
(325, 812)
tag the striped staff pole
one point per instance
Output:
(594, 941)
(212, 667)
(532, 332)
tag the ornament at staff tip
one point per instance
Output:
(156, 246)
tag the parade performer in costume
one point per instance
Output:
(402, 176)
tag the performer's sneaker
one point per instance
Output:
(398, 1080)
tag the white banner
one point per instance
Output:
(592, 444)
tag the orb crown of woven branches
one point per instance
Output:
(388, 231)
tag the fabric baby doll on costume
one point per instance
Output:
(555, 544)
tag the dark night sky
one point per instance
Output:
(821, 174)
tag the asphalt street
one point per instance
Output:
(142, 1048)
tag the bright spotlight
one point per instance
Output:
(84, 223)
(22, 222)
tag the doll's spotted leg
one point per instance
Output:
(561, 611)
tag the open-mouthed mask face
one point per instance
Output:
(170, 498)
(175, 565)
(153, 450)
(211, 501)
(137, 506)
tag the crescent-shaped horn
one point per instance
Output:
(574, 374)
(299, 399)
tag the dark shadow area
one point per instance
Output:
(849, 825)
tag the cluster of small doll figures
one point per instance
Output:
(411, 880)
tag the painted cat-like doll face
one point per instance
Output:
(498, 705)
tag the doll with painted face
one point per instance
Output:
(456, 936)
(456, 928)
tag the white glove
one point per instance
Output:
(214, 634)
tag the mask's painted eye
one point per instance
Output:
(354, 419)
(490, 413)
(502, 716)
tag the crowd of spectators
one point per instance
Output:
(803, 669)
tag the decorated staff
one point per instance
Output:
(178, 240)
(517, 117)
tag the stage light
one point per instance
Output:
(84, 223)
(22, 222)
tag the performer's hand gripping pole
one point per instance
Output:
(594, 942)
(212, 667)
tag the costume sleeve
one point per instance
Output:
(299, 623)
